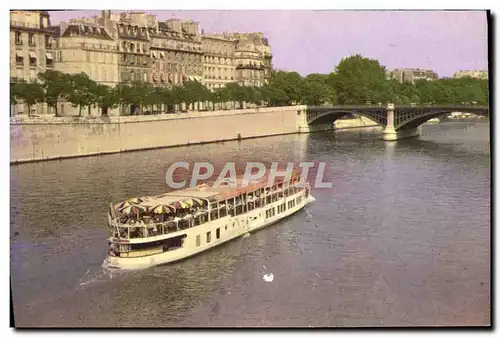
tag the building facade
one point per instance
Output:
(114, 48)
(253, 59)
(218, 61)
(244, 58)
(32, 45)
(479, 74)
(89, 48)
(177, 52)
(410, 75)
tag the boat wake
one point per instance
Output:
(310, 218)
(103, 274)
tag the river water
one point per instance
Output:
(402, 238)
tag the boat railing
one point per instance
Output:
(127, 228)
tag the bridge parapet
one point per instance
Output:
(403, 119)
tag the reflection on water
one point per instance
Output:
(402, 238)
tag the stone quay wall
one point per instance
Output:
(35, 139)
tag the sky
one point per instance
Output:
(314, 41)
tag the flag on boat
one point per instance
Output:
(163, 209)
(133, 209)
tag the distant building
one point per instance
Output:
(479, 74)
(410, 75)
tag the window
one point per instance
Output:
(225, 228)
(31, 39)
(49, 60)
(217, 233)
(32, 59)
(209, 237)
(19, 38)
(198, 241)
(19, 58)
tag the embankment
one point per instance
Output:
(53, 138)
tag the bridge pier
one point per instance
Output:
(304, 127)
(390, 133)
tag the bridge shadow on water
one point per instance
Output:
(439, 141)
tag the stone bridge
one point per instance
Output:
(399, 121)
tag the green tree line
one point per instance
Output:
(355, 80)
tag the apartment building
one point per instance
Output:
(410, 75)
(479, 74)
(32, 45)
(114, 48)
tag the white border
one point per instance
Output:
(190, 4)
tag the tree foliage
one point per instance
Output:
(355, 80)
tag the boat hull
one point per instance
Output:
(221, 230)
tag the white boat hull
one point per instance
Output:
(229, 228)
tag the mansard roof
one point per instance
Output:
(86, 29)
(132, 31)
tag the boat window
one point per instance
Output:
(209, 237)
(225, 228)
(198, 241)
(214, 215)
(217, 233)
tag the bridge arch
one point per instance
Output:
(330, 116)
(413, 121)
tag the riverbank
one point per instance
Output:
(50, 138)
(39, 139)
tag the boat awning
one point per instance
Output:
(19, 54)
(32, 55)
(49, 56)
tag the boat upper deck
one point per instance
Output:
(225, 190)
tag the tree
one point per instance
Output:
(316, 90)
(179, 94)
(274, 96)
(254, 95)
(134, 95)
(55, 85)
(15, 94)
(107, 98)
(290, 83)
(31, 93)
(220, 95)
(359, 79)
(82, 92)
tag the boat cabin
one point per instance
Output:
(147, 217)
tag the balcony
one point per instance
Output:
(249, 66)
(21, 24)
